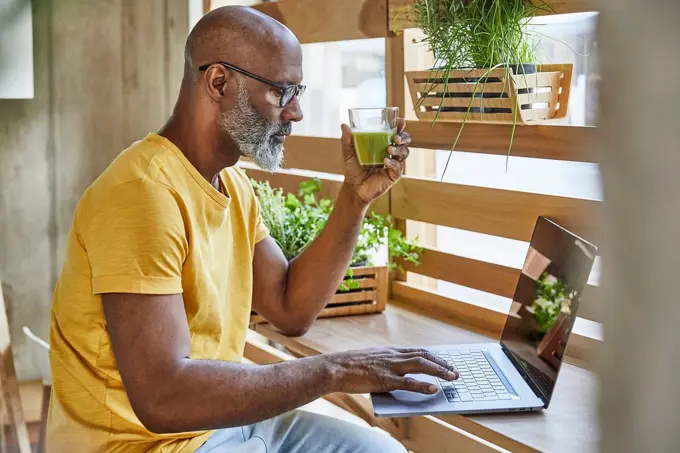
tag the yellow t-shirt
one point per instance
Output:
(150, 224)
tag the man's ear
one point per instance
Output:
(216, 81)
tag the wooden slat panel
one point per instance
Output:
(314, 153)
(532, 98)
(497, 212)
(290, 180)
(455, 73)
(438, 306)
(367, 271)
(548, 142)
(486, 118)
(488, 277)
(330, 20)
(504, 103)
(399, 20)
(491, 87)
(365, 282)
(358, 296)
(537, 80)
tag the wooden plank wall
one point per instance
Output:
(504, 213)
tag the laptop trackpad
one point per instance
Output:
(415, 397)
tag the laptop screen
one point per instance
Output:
(543, 309)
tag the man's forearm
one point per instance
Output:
(314, 276)
(205, 395)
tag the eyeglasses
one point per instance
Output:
(286, 92)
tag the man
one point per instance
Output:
(166, 252)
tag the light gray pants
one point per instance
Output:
(301, 432)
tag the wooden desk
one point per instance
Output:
(568, 425)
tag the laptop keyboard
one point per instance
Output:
(478, 378)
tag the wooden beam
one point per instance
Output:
(489, 277)
(568, 143)
(289, 180)
(330, 20)
(438, 306)
(314, 154)
(395, 90)
(504, 213)
(394, 72)
(400, 18)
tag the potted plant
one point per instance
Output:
(294, 220)
(485, 68)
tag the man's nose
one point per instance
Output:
(293, 111)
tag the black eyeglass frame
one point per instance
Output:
(284, 90)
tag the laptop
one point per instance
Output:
(519, 372)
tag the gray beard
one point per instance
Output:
(253, 135)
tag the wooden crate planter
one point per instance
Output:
(370, 297)
(542, 96)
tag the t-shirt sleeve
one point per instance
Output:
(135, 239)
(261, 230)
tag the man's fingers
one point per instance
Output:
(420, 365)
(347, 144)
(431, 357)
(399, 153)
(402, 138)
(410, 350)
(394, 169)
(410, 384)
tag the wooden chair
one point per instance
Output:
(10, 387)
(40, 353)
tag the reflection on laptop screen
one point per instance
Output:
(543, 309)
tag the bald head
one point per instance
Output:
(242, 78)
(241, 36)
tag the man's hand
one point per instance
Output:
(370, 183)
(381, 370)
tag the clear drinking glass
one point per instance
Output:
(373, 132)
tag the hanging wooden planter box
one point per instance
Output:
(369, 297)
(542, 96)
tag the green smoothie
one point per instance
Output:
(371, 147)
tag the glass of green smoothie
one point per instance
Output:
(373, 132)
